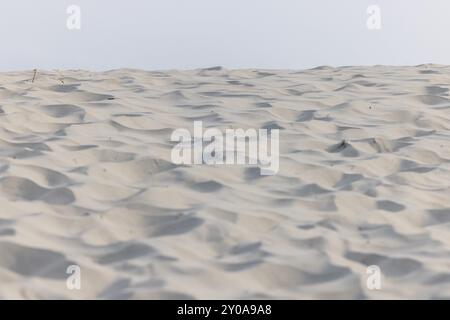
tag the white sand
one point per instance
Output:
(86, 178)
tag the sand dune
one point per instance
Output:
(86, 179)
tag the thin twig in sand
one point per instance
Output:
(34, 75)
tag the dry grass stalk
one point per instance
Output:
(34, 75)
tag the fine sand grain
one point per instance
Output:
(86, 178)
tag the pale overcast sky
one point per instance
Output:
(168, 34)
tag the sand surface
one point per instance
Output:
(86, 178)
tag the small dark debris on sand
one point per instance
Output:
(338, 147)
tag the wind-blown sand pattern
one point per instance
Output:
(86, 178)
